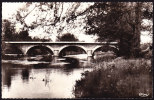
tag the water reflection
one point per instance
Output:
(28, 79)
(25, 75)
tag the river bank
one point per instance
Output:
(117, 78)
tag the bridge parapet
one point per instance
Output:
(38, 42)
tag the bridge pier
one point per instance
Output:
(89, 58)
(56, 53)
(89, 53)
(55, 59)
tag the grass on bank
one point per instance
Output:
(116, 78)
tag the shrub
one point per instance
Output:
(67, 37)
(122, 78)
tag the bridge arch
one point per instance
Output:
(43, 49)
(107, 47)
(62, 49)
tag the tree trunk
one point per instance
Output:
(135, 43)
(125, 45)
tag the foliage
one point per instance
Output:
(146, 50)
(7, 30)
(118, 78)
(51, 18)
(9, 33)
(145, 45)
(67, 37)
(120, 21)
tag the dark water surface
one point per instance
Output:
(40, 79)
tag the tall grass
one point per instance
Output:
(118, 78)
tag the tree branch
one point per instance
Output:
(28, 13)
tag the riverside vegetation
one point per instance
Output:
(117, 78)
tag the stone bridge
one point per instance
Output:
(57, 47)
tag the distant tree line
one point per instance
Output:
(67, 37)
(9, 33)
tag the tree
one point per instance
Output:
(9, 33)
(67, 37)
(118, 21)
(7, 30)
(52, 18)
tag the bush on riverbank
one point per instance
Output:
(118, 78)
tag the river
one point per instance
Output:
(22, 78)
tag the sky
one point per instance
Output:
(8, 9)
